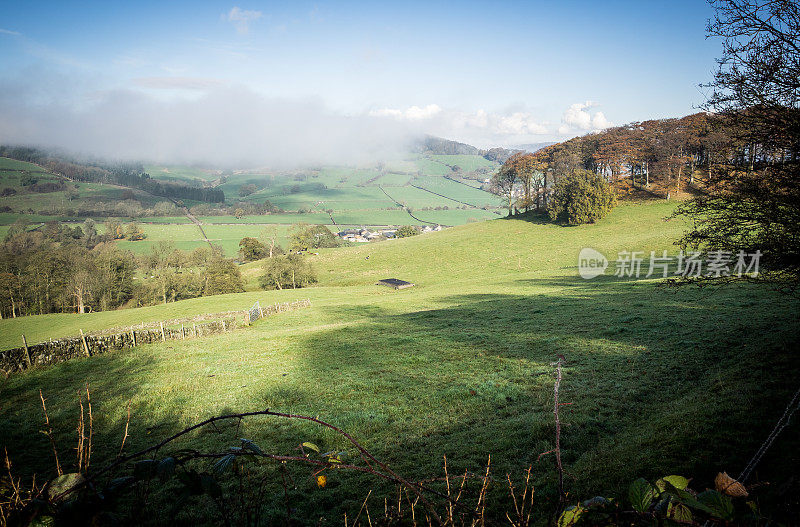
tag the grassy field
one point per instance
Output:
(660, 380)
(181, 174)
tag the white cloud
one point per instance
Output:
(578, 118)
(9, 32)
(519, 123)
(241, 18)
(479, 127)
(412, 113)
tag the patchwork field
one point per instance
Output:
(459, 365)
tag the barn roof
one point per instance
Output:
(394, 283)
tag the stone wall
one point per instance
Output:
(55, 351)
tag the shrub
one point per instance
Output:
(581, 197)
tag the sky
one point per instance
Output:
(271, 82)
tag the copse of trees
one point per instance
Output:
(407, 230)
(60, 268)
(581, 197)
(290, 271)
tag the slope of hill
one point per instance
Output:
(458, 365)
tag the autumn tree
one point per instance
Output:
(503, 184)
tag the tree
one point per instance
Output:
(503, 183)
(164, 208)
(134, 233)
(246, 190)
(752, 199)
(303, 237)
(239, 213)
(269, 237)
(581, 197)
(250, 250)
(407, 230)
(114, 230)
(222, 276)
(282, 272)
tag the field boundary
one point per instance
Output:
(61, 350)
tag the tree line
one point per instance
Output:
(59, 268)
(124, 174)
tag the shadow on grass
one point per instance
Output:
(532, 216)
(660, 381)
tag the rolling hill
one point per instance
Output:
(459, 365)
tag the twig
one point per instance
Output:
(49, 434)
(125, 435)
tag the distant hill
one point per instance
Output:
(439, 146)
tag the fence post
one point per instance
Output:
(27, 352)
(133, 337)
(183, 333)
(85, 346)
(194, 329)
(163, 337)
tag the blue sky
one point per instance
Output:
(486, 73)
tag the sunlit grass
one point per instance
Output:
(659, 380)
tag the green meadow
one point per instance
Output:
(659, 380)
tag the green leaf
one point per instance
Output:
(166, 468)
(144, 469)
(43, 521)
(63, 483)
(641, 494)
(679, 482)
(311, 446)
(252, 447)
(718, 504)
(224, 463)
(570, 516)
(679, 512)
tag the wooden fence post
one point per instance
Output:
(27, 352)
(85, 346)
(183, 333)
(133, 337)
(163, 337)
(194, 329)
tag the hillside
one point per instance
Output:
(459, 365)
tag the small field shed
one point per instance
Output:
(394, 283)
